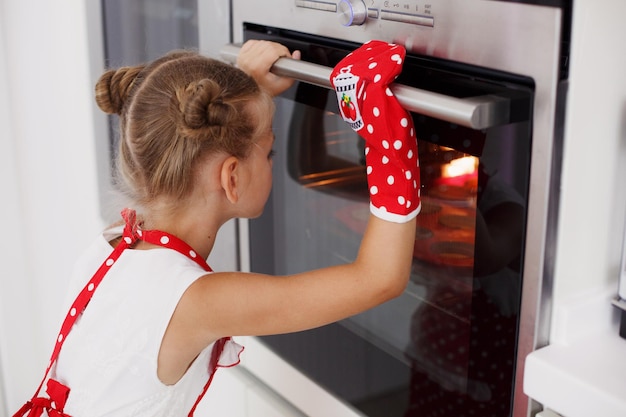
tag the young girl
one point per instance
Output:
(195, 152)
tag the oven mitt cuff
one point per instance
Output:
(361, 81)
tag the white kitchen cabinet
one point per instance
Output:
(237, 393)
(226, 395)
(581, 372)
(263, 402)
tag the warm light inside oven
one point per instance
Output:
(459, 167)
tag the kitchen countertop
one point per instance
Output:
(583, 372)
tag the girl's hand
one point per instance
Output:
(257, 57)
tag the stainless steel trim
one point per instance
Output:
(317, 5)
(621, 278)
(479, 112)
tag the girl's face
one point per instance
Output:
(260, 174)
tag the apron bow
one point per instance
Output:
(131, 230)
(53, 405)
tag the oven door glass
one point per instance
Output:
(447, 345)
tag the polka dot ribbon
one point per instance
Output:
(57, 392)
(361, 81)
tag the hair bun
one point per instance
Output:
(202, 105)
(113, 88)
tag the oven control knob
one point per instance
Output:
(352, 12)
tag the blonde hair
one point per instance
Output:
(175, 111)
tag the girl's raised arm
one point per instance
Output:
(235, 303)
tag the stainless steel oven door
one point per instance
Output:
(457, 338)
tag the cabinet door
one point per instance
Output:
(235, 392)
(264, 402)
(226, 396)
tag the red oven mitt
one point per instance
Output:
(366, 103)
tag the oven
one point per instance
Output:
(485, 82)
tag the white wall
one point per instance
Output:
(47, 178)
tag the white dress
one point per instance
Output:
(109, 359)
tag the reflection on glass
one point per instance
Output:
(141, 31)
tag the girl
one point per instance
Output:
(195, 152)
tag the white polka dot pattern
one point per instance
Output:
(362, 81)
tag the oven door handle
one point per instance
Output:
(479, 112)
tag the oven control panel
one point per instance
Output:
(358, 12)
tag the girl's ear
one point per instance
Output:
(230, 177)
